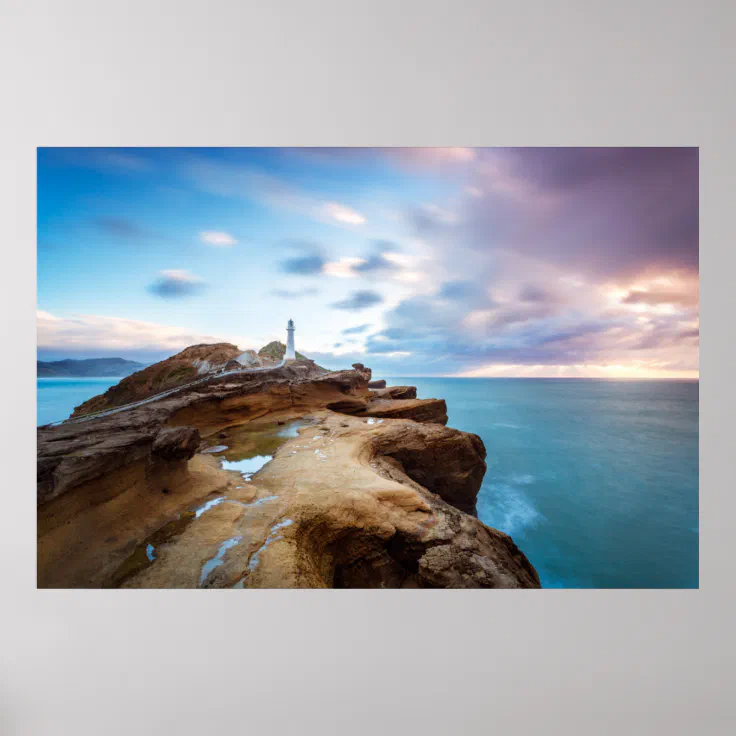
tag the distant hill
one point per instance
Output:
(90, 368)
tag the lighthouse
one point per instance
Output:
(290, 353)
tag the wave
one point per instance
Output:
(507, 507)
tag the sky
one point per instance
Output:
(476, 262)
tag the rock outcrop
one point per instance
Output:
(182, 368)
(395, 392)
(275, 352)
(373, 492)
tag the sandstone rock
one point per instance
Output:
(182, 368)
(395, 392)
(176, 443)
(348, 503)
(72, 454)
(445, 461)
(420, 410)
(362, 370)
(377, 384)
(249, 359)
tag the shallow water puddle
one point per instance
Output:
(218, 559)
(248, 466)
(249, 449)
(207, 506)
(273, 536)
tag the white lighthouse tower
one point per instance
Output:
(290, 352)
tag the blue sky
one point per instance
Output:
(414, 261)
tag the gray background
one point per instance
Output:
(369, 73)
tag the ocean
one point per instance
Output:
(57, 397)
(595, 480)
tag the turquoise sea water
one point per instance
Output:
(595, 480)
(57, 397)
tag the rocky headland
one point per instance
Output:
(288, 476)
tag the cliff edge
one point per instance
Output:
(362, 490)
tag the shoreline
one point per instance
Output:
(372, 508)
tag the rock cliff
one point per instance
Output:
(186, 366)
(369, 491)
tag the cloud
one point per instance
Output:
(93, 335)
(303, 265)
(605, 212)
(238, 180)
(358, 300)
(104, 160)
(343, 268)
(341, 213)
(294, 293)
(431, 218)
(536, 294)
(120, 160)
(176, 283)
(658, 297)
(380, 259)
(458, 290)
(432, 157)
(121, 227)
(217, 238)
(355, 330)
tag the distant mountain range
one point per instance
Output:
(90, 368)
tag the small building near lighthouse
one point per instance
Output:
(290, 351)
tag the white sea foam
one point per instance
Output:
(522, 479)
(509, 509)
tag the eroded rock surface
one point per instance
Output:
(373, 492)
(186, 366)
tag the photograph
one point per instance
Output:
(355, 367)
